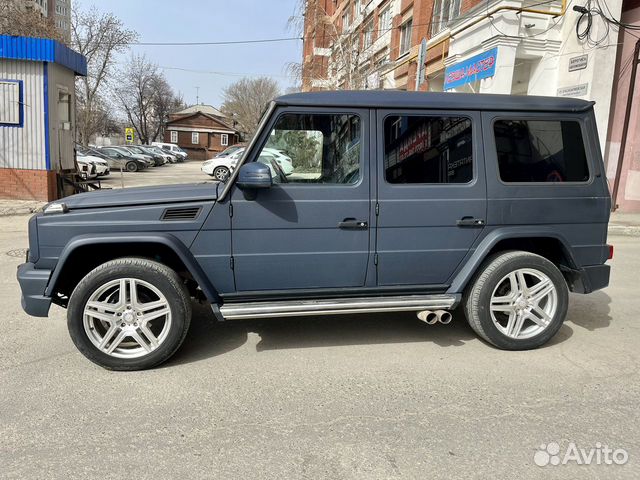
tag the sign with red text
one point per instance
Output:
(468, 71)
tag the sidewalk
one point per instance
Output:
(624, 224)
(19, 207)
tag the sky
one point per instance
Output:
(210, 21)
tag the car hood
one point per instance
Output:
(143, 196)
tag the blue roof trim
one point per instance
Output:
(42, 50)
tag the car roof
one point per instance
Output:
(433, 100)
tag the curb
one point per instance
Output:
(20, 210)
(624, 230)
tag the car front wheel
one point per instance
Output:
(132, 167)
(221, 173)
(129, 314)
(517, 301)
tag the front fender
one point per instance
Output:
(166, 239)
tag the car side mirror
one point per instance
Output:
(254, 175)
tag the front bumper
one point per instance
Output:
(588, 279)
(33, 283)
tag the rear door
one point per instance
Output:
(431, 192)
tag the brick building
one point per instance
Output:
(201, 130)
(519, 47)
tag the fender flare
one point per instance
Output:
(166, 239)
(473, 262)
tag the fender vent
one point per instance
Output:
(181, 213)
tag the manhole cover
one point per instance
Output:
(18, 252)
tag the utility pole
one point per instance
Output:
(197, 95)
(625, 128)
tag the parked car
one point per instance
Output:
(229, 150)
(173, 149)
(409, 201)
(151, 162)
(169, 158)
(101, 165)
(121, 160)
(158, 160)
(86, 168)
(221, 167)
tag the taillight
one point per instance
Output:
(610, 252)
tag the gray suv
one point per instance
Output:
(397, 202)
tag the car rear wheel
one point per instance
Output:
(132, 167)
(221, 173)
(129, 314)
(517, 301)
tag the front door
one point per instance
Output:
(310, 230)
(431, 194)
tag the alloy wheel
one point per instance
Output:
(127, 318)
(524, 303)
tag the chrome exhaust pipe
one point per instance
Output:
(444, 317)
(428, 316)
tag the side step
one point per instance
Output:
(267, 309)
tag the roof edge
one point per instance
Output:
(42, 50)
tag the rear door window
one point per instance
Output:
(540, 151)
(421, 149)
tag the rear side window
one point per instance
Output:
(427, 149)
(540, 151)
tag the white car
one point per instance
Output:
(221, 167)
(173, 149)
(101, 165)
(86, 168)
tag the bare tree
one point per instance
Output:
(19, 20)
(246, 99)
(99, 37)
(145, 97)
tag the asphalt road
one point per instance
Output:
(373, 396)
(186, 172)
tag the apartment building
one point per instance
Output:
(59, 12)
(523, 47)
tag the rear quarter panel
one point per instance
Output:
(577, 213)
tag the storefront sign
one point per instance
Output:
(475, 68)
(574, 90)
(578, 63)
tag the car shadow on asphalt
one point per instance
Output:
(208, 338)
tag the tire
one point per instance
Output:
(132, 167)
(137, 332)
(220, 173)
(512, 317)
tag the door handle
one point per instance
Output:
(353, 224)
(470, 222)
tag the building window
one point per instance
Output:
(195, 138)
(174, 136)
(64, 108)
(405, 36)
(346, 17)
(444, 12)
(224, 140)
(384, 20)
(540, 151)
(367, 36)
(427, 149)
(11, 113)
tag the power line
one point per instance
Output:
(289, 39)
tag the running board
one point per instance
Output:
(267, 309)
